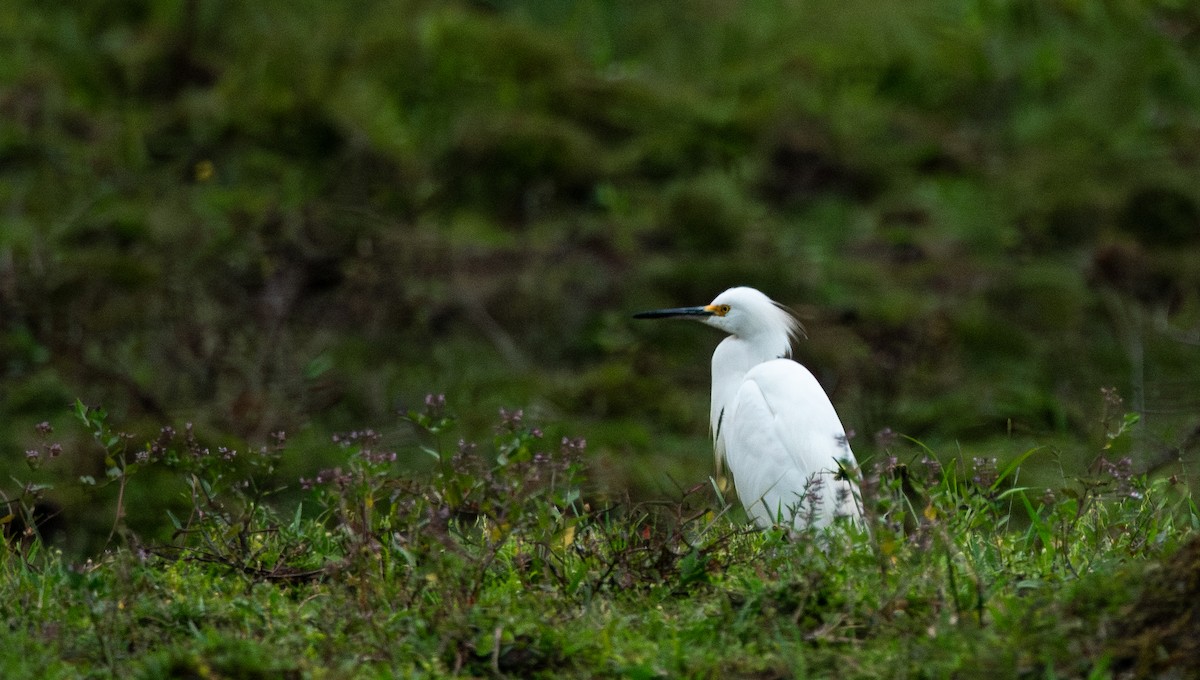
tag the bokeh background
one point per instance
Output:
(304, 216)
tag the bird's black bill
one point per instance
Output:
(673, 313)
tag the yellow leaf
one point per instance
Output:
(568, 536)
(930, 512)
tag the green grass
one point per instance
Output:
(499, 562)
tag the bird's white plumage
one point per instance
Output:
(785, 447)
(772, 423)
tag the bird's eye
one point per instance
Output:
(722, 310)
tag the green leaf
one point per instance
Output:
(1035, 518)
(693, 568)
(1013, 466)
(81, 412)
(297, 518)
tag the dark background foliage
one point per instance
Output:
(304, 216)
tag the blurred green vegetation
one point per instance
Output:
(302, 216)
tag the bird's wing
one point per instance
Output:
(783, 443)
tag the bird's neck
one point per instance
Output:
(733, 358)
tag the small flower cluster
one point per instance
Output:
(46, 450)
(174, 449)
(463, 454)
(932, 468)
(1112, 400)
(891, 464)
(366, 441)
(573, 446)
(435, 405)
(159, 447)
(1120, 475)
(512, 421)
(984, 472)
(813, 492)
(333, 476)
(365, 437)
(379, 457)
(885, 438)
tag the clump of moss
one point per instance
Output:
(1161, 631)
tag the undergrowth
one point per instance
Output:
(501, 560)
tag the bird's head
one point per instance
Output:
(744, 313)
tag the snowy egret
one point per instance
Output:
(771, 421)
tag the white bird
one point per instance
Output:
(771, 421)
